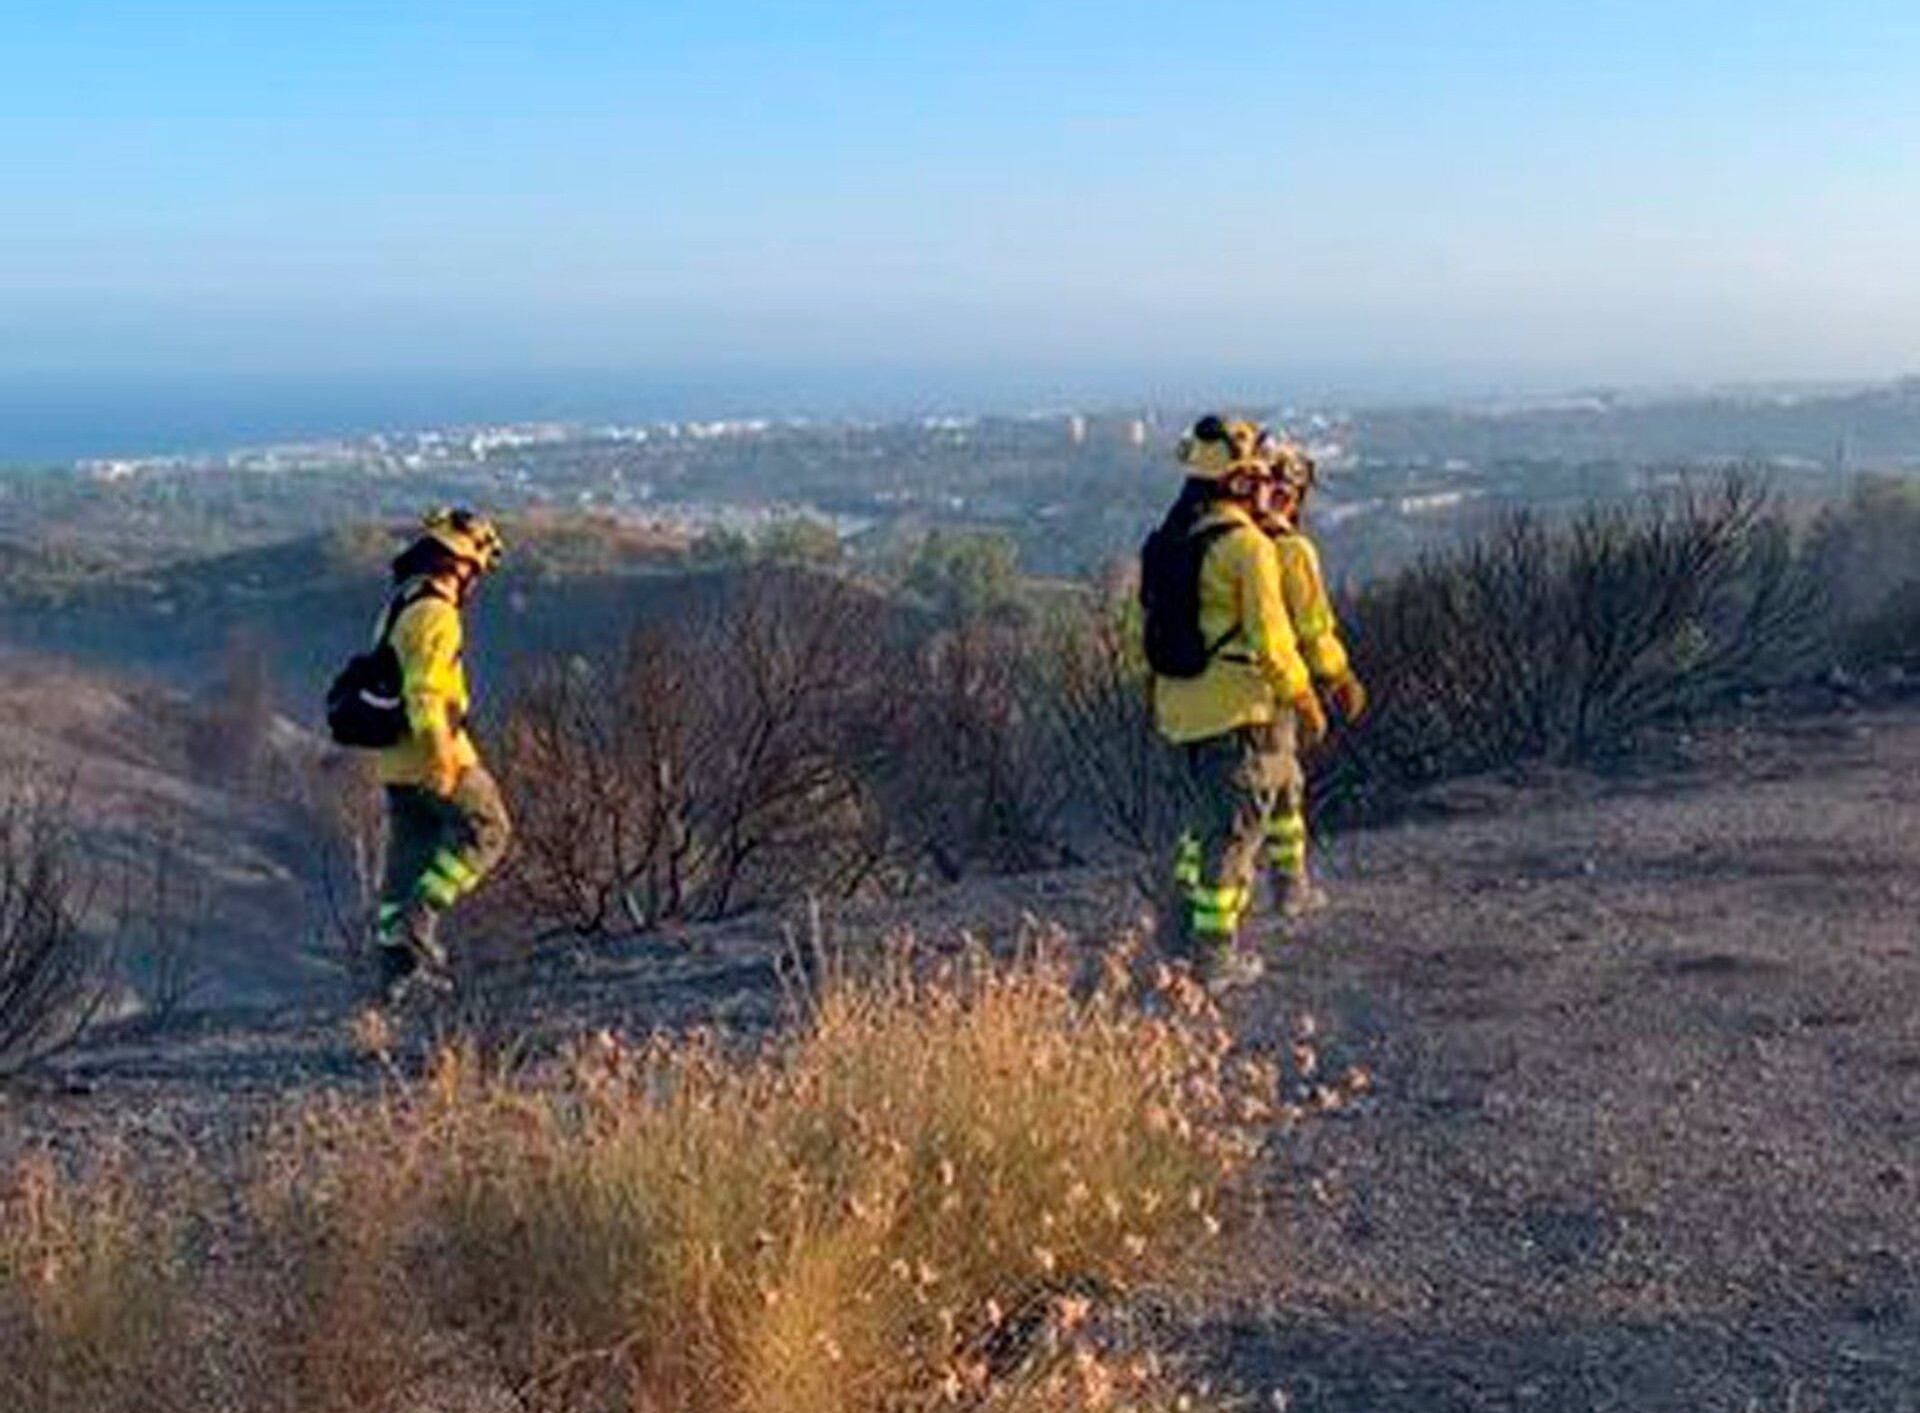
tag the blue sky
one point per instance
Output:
(1542, 193)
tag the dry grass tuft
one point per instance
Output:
(938, 1193)
(90, 1286)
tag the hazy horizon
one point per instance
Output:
(49, 421)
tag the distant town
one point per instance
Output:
(1071, 488)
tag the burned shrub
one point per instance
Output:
(800, 734)
(1566, 641)
(969, 780)
(709, 766)
(54, 975)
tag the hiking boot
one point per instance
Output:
(1226, 967)
(411, 960)
(403, 976)
(393, 964)
(1297, 895)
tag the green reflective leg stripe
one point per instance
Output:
(446, 881)
(388, 919)
(455, 870)
(1216, 912)
(437, 893)
(1287, 842)
(1288, 858)
(1207, 923)
(1186, 862)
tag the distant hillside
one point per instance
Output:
(182, 700)
(113, 684)
(308, 603)
(171, 840)
(1875, 428)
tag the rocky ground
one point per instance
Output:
(1647, 1126)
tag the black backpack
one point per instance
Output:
(1170, 563)
(366, 705)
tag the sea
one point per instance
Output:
(49, 420)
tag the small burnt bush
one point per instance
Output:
(1861, 553)
(54, 975)
(968, 779)
(801, 735)
(1565, 642)
(711, 765)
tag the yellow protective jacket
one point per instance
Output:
(1257, 670)
(426, 637)
(1309, 608)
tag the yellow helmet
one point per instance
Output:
(466, 535)
(1218, 447)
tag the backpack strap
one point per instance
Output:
(1204, 536)
(403, 599)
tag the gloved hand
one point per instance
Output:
(1313, 717)
(1349, 696)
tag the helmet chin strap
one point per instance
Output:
(463, 576)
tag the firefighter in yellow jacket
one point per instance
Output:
(447, 826)
(1238, 718)
(1310, 611)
